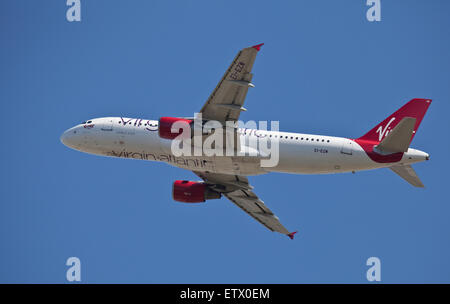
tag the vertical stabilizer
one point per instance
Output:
(415, 108)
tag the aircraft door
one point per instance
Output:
(347, 147)
(107, 125)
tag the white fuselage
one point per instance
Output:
(298, 153)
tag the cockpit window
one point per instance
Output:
(89, 121)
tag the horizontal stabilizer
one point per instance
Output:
(408, 174)
(399, 138)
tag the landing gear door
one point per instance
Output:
(347, 147)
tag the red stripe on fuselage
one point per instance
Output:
(367, 146)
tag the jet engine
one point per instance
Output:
(192, 192)
(165, 127)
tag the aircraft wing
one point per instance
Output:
(237, 189)
(225, 102)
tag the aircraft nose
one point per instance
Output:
(68, 138)
(65, 138)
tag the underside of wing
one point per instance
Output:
(226, 101)
(237, 189)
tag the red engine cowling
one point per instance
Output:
(165, 126)
(192, 192)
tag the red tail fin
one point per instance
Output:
(415, 108)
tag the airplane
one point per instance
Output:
(384, 146)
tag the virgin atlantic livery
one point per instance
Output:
(385, 146)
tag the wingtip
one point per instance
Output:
(258, 46)
(291, 235)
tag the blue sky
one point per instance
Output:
(324, 69)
